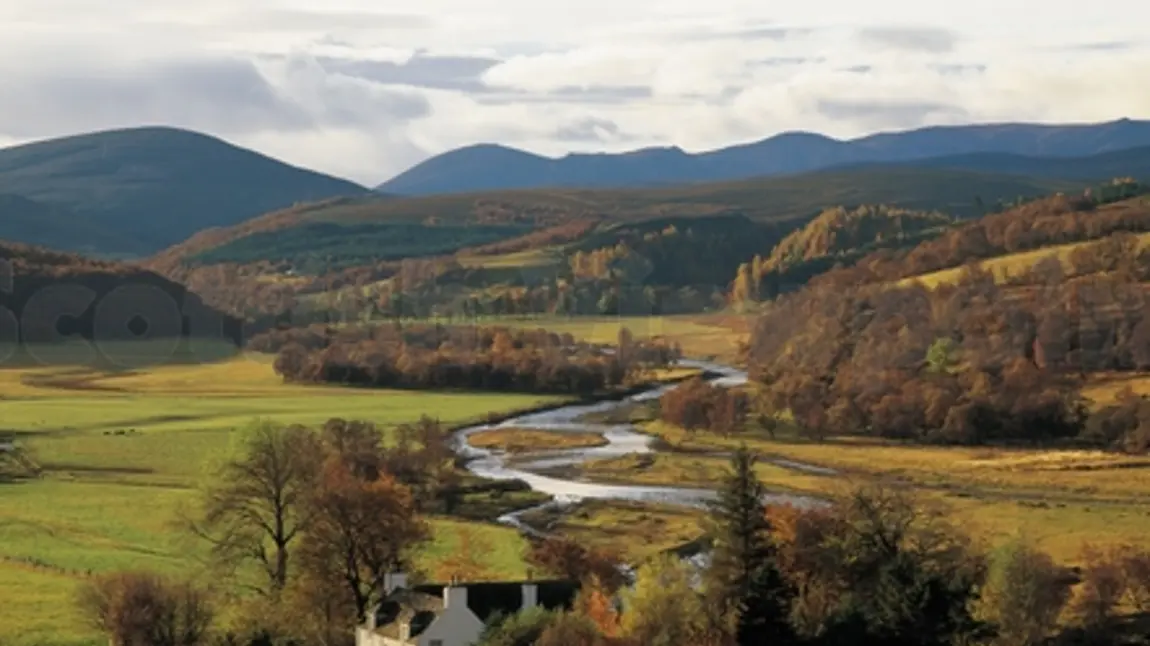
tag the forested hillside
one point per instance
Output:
(837, 235)
(978, 360)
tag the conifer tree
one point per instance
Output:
(743, 582)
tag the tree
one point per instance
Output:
(662, 608)
(360, 531)
(879, 568)
(1024, 594)
(595, 603)
(569, 629)
(743, 583)
(520, 629)
(567, 559)
(144, 609)
(258, 504)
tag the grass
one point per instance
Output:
(1103, 389)
(1011, 265)
(1059, 499)
(699, 335)
(633, 531)
(123, 451)
(525, 440)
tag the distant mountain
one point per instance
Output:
(40, 224)
(1132, 162)
(147, 188)
(492, 167)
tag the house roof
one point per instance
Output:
(419, 604)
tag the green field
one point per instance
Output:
(123, 451)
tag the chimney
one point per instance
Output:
(454, 595)
(392, 581)
(530, 596)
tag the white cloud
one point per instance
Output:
(362, 90)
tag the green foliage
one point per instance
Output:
(940, 357)
(662, 608)
(520, 629)
(1024, 594)
(743, 581)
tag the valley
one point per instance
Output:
(552, 375)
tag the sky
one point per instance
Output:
(364, 89)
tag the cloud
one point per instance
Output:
(362, 92)
(219, 94)
(931, 40)
(421, 70)
(880, 115)
(591, 129)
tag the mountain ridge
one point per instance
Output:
(482, 167)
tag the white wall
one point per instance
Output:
(457, 626)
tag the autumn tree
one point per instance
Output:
(880, 568)
(360, 530)
(595, 603)
(144, 609)
(259, 503)
(568, 559)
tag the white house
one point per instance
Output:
(453, 614)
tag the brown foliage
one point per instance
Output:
(433, 356)
(143, 609)
(697, 404)
(568, 559)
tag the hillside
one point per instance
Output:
(491, 167)
(40, 224)
(841, 231)
(793, 198)
(975, 360)
(55, 295)
(153, 187)
(1134, 162)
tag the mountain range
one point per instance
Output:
(489, 167)
(133, 192)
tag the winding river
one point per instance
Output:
(622, 439)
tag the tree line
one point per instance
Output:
(481, 358)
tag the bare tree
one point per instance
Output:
(259, 503)
(143, 609)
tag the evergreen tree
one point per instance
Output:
(743, 582)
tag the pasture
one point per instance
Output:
(123, 451)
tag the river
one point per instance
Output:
(622, 439)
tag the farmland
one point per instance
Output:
(123, 451)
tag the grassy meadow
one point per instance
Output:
(1059, 499)
(123, 451)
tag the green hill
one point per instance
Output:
(152, 187)
(35, 223)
